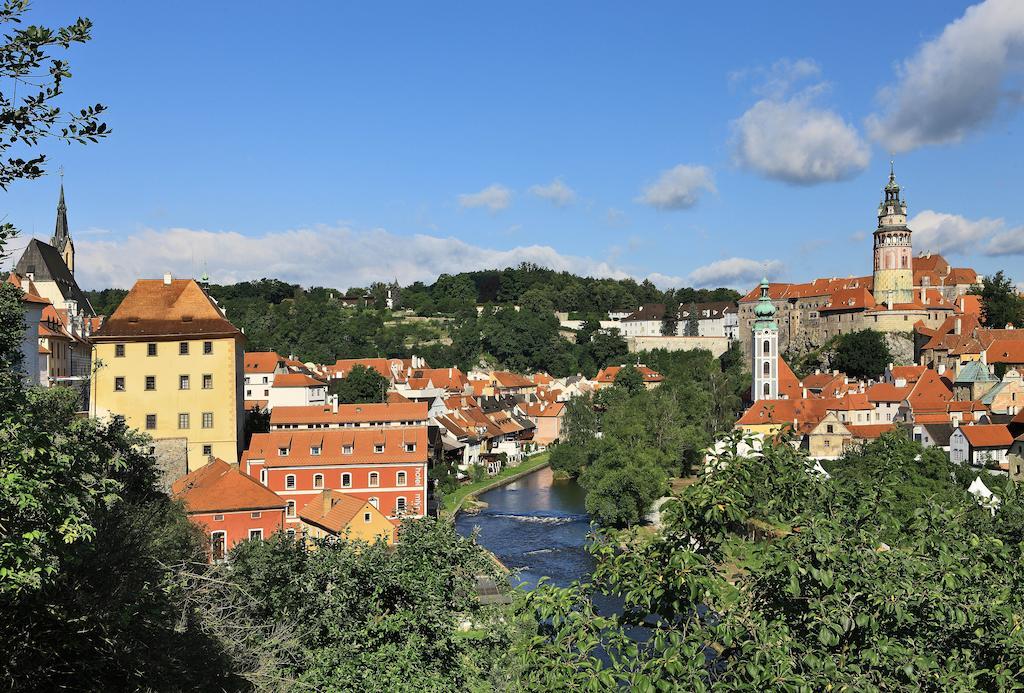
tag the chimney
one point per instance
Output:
(326, 502)
(803, 393)
(941, 369)
(956, 330)
(334, 404)
(922, 295)
(167, 278)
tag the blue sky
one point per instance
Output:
(336, 143)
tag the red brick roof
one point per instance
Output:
(261, 361)
(1005, 351)
(350, 413)
(507, 379)
(222, 487)
(988, 435)
(608, 373)
(869, 431)
(154, 308)
(541, 409)
(887, 392)
(334, 510)
(342, 367)
(806, 413)
(296, 380)
(331, 442)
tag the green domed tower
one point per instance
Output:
(894, 254)
(765, 347)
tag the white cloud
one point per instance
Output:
(1009, 242)
(955, 83)
(556, 192)
(940, 232)
(495, 197)
(779, 79)
(678, 188)
(734, 272)
(337, 257)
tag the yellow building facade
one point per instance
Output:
(170, 363)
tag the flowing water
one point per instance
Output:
(537, 526)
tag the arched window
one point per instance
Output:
(767, 368)
(318, 481)
(767, 347)
(903, 261)
(291, 509)
(289, 481)
(400, 505)
(400, 479)
(375, 502)
(374, 479)
(346, 480)
(767, 389)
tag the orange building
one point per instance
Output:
(336, 514)
(230, 506)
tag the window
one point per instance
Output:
(248, 393)
(314, 450)
(318, 481)
(289, 481)
(291, 509)
(119, 384)
(183, 348)
(366, 518)
(150, 382)
(255, 533)
(346, 480)
(410, 447)
(375, 502)
(767, 368)
(183, 382)
(282, 452)
(119, 351)
(207, 348)
(767, 348)
(150, 421)
(218, 545)
(830, 428)
(207, 419)
(400, 479)
(207, 381)
(828, 443)
(378, 448)
(374, 479)
(207, 449)
(263, 477)
(290, 533)
(400, 505)
(151, 349)
(264, 380)
(346, 449)
(182, 420)
(256, 515)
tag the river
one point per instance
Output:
(537, 526)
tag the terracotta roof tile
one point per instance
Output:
(262, 361)
(988, 435)
(221, 487)
(334, 510)
(331, 441)
(390, 412)
(154, 308)
(296, 380)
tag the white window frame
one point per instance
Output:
(290, 509)
(375, 502)
(373, 480)
(401, 479)
(257, 531)
(289, 482)
(404, 503)
(318, 481)
(346, 480)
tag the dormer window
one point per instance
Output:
(282, 452)
(314, 450)
(346, 449)
(378, 447)
(410, 447)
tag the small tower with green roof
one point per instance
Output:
(893, 251)
(765, 347)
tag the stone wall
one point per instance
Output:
(716, 345)
(171, 455)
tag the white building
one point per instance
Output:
(984, 445)
(296, 390)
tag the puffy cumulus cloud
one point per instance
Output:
(1009, 242)
(939, 232)
(495, 197)
(556, 192)
(955, 83)
(679, 187)
(735, 272)
(338, 257)
(793, 141)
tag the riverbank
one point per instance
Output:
(454, 501)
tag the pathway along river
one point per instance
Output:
(537, 525)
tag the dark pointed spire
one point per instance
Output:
(61, 234)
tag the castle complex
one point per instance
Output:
(902, 290)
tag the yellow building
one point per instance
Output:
(337, 514)
(170, 362)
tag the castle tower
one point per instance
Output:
(61, 235)
(893, 265)
(765, 348)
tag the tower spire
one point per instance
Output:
(61, 239)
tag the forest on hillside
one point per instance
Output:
(517, 328)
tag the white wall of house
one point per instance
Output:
(959, 448)
(257, 385)
(295, 396)
(31, 365)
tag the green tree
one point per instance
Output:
(629, 379)
(862, 354)
(670, 322)
(362, 384)
(1001, 303)
(692, 321)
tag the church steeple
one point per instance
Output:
(893, 248)
(61, 234)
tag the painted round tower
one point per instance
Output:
(765, 348)
(894, 254)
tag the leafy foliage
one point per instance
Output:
(1001, 304)
(862, 354)
(361, 385)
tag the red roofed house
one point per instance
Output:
(336, 514)
(981, 446)
(296, 390)
(606, 376)
(1007, 352)
(230, 506)
(385, 466)
(398, 414)
(547, 417)
(260, 369)
(34, 304)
